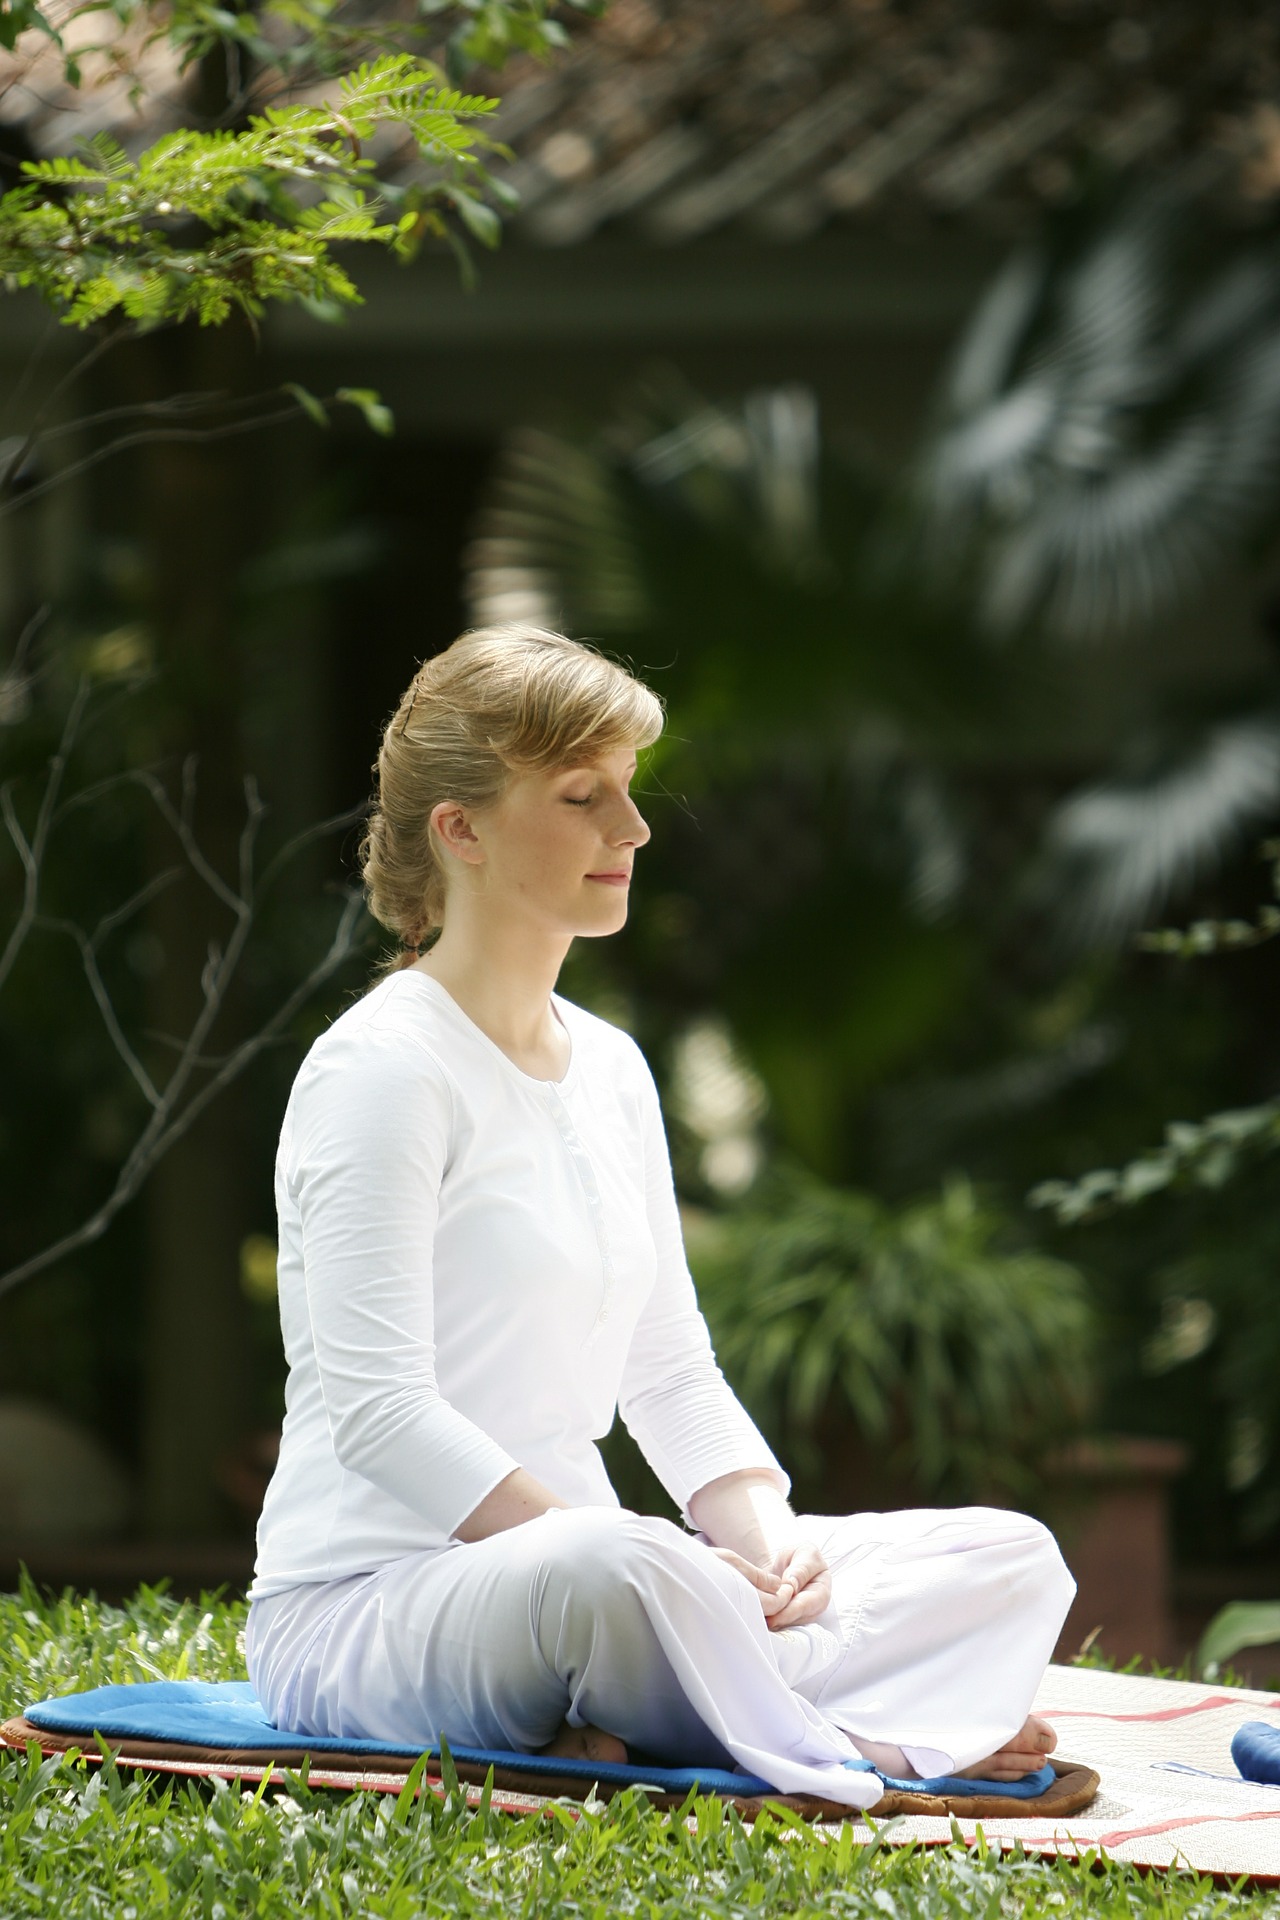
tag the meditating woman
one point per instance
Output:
(481, 1263)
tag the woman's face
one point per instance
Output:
(561, 845)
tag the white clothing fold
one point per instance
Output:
(941, 1624)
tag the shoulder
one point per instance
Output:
(610, 1050)
(389, 1044)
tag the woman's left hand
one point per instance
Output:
(745, 1519)
(802, 1569)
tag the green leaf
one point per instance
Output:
(376, 413)
(312, 407)
(1240, 1624)
(480, 221)
(18, 17)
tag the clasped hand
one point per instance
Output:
(794, 1589)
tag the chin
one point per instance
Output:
(604, 923)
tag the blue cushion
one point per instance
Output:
(227, 1714)
(1256, 1752)
(1030, 1787)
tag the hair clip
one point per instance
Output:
(408, 713)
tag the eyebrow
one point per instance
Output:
(589, 767)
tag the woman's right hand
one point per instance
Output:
(774, 1593)
(792, 1597)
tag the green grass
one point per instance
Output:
(80, 1841)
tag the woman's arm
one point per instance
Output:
(747, 1512)
(364, 1160)
(692, 1428)
(677, 1404)
(518, 1498)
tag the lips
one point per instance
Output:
(618, 876)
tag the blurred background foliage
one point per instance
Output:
(905, 1352)
(913, 841)
(950, 723)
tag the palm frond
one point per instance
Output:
(552, 543)
(1110, 431)
(1129, 845)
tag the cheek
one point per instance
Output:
(551, 842)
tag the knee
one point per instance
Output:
(590, 1556)
(595, 1566)
(1027, 1559)
(1042, 1559)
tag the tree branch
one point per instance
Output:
(96, 352)
(174, 1102)
(146, 436)
(31, 852)
(168, 1123)
(89, 945)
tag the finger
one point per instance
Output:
(805, 1564)
(809, 1604)
(772, 1601)
(760, 1577)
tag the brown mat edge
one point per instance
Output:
(1074, 1787)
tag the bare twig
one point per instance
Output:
(347, 818)
(180, 819)
(31, 852)
(146, 436)
(177, 407)
(174, 1100)
(89, 945)
(19, 661)
(169, 1122)
(15, 681)
(96, 352)
(24, 379)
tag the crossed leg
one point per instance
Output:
(1024, 1754)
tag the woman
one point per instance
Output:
(481, 1262)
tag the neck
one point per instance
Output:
(501, 971)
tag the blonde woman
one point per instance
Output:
(481, 1263)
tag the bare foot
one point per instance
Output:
(587, 1743)
(1024, 1754)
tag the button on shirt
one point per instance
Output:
(477, 1269)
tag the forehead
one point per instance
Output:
(600, 763)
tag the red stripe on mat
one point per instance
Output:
(1122, 1834)
(1167, 1713)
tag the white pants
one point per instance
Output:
(941, 1624)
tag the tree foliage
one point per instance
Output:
(103, 232)
(211, 219)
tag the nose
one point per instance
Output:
(636, 829)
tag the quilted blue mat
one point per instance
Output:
(226, 1714)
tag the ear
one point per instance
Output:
(454, 833)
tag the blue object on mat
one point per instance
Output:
(227, 1714)
(1256, 1752)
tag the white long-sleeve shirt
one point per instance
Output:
(477, 1268)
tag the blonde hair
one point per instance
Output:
(501, 701)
